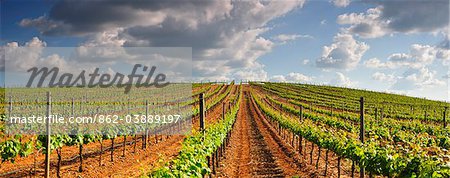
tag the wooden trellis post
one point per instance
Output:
(223, 110)
(376, 114)
(10, 107)
(301, 112)
(73, 107)
(445, 122)
(202, 112)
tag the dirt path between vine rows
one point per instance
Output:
(256, 150)
(305, 157)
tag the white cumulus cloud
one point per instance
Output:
(283, 38)
(419, 56)
(341, 3)
(342, 80)
(376, 63)
(391, 17)
(389, 78)
(292, 77)
(417, 79)
(344, 53)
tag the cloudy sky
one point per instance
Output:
(393, 45)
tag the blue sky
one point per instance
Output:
(393, 46)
